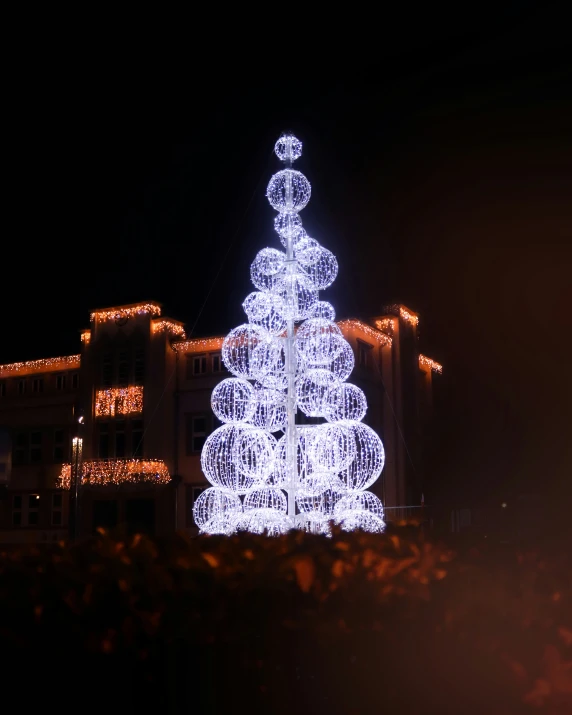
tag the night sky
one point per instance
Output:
(438, 148)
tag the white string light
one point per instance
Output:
(313, 474)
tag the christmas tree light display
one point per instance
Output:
(270, 474)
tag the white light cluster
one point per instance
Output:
(269, 474)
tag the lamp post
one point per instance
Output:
(75, 482)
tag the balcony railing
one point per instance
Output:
(106, 472)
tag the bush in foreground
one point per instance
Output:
(353, 624)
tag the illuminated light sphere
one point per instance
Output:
(237, 457)
(346, 402)
(267, 268)
(306, 249)
(332, 447)
(265, 521)
(344, 361)
(360, 520)
(314, 341)
(319, 506)
(267, 310)
(304, 465)
(266, 498)
(288, 224)
(369, 459)
(233, 400)
(319, 482)
(270, 409)
(288, 148)
(250, 351)
(322, 271)
(300, 191)
(216, 510)
(298, 294)
(312, 390)
(314, 524)
(359, 501)
(322, 309)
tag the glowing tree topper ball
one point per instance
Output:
(268, 474)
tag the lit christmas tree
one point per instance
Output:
(269, 474)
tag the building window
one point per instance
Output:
(33, 509)
(60, 382)
(103, 445)
(137, 438)
(75, 380)
(139, 368)
(196, 365)
(196, 432)
(20, 448)
(120, 440)
(57, 509)
(123, 370)
(217, 363)
(363, 353)
(59, 446)
(21, 387)
(17, 510)
(191, 495)
(35, 447)
(38, 385)
(2, 388)
(107, 371)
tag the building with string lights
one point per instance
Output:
(113, 435)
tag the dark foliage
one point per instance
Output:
(301, 624)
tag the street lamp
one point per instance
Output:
(75, 482)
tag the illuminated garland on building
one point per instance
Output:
(108, 472)
(386, 325)
(68, 362)
(119, 401)
(377, 335)
(126, 311)
(168, 326)
(406, 315)
(85, 336)
(198, 345)
(431, 364)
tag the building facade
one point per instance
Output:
(129, 414)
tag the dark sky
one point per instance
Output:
(438, 147)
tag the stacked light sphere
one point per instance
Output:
(268, 473)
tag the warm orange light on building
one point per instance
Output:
(118, 471)
(68, 362)
(386, 325)
(169, 326)
(408, 316)
(119, 401)
(424, 361)
(198, 345)
(126, 311)
(376, 335)
(85, 336)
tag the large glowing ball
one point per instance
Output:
(312, 390)
(265, 521)
(314, 523)
(314, 341)
(346, 402)
(288, 190)
(298, 294)
(344, 361)
(318, 506)
(359, 501)
(237, 457)
(289, 224)
(356, 520)
(369, 458)
(267, 268)
(322, 309)
(216, 509)
(288, 148)
(323, 269)
(304, 466)
(332, 447)
(317, 483)
(270, 409)
(250, 351)
(266, 498)
(233, 400)
(267, 310)
(308, 248)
